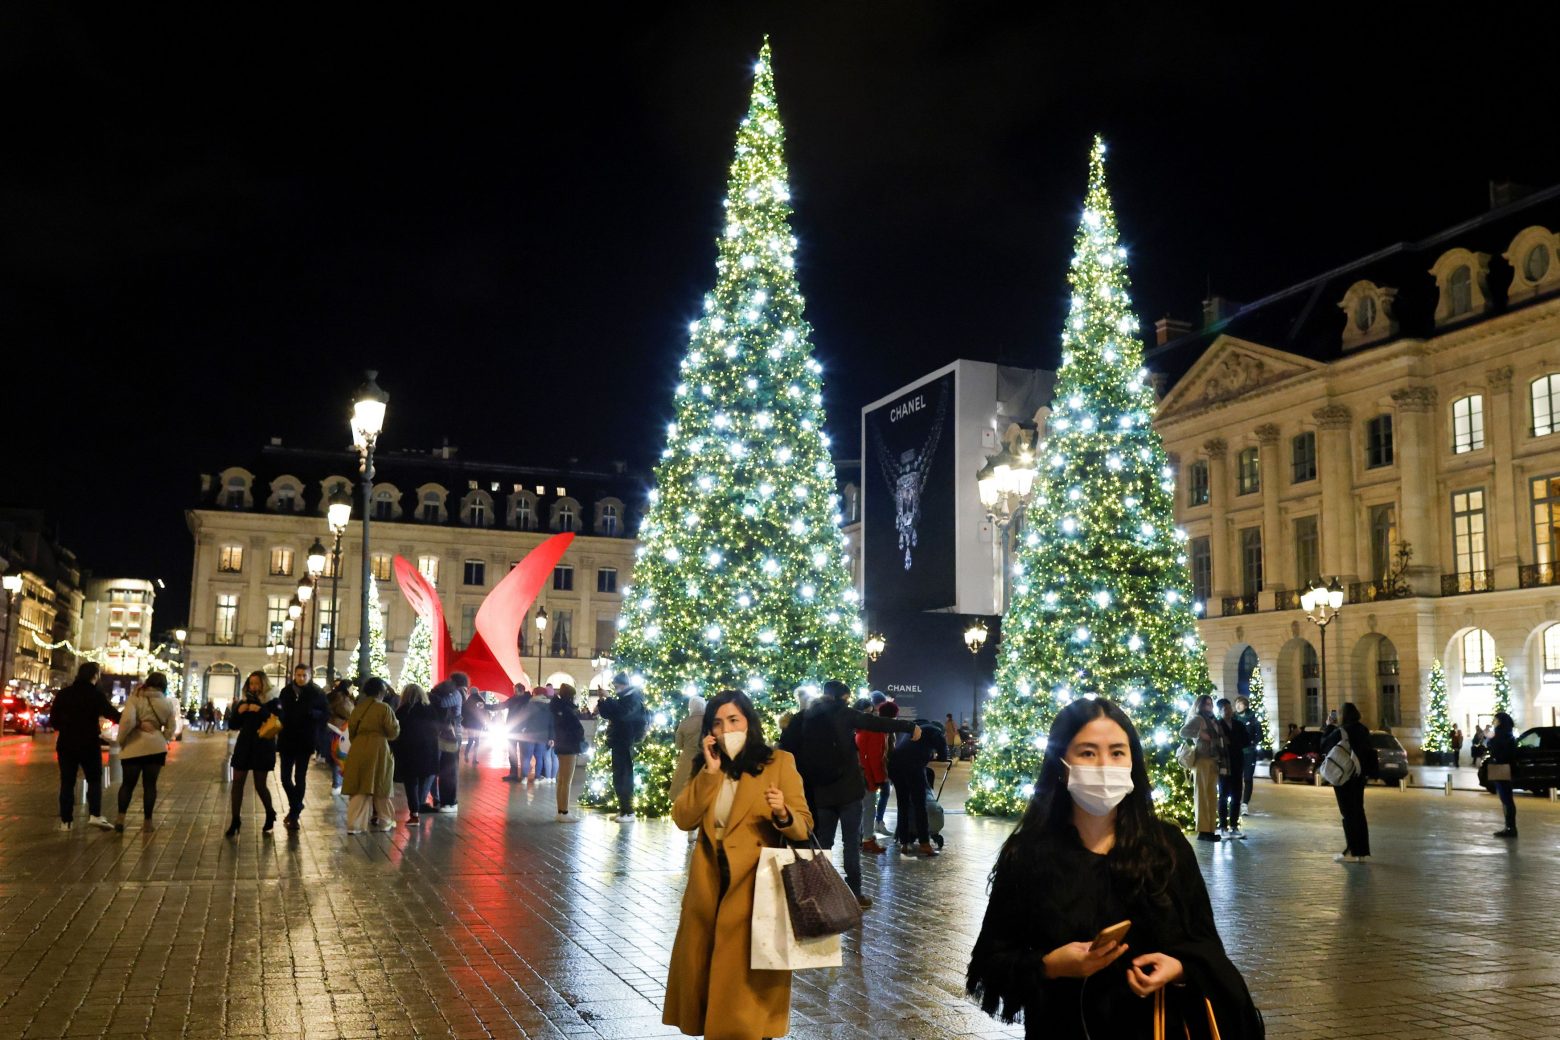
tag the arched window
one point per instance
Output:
(432, 506)
(1468, 423)
(1460, 291)
(522, 511)
(1243, 672)
(1310, 681)
(476, 509)
(566, 515)
(236, 492)
(384, 504)
(1546, 404)
(609, 520)
(1552, 653)
(1478, 654)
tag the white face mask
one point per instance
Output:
(734, 742)
(1098, 789)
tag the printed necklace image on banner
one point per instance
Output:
(907, 477)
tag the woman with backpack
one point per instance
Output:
(1352, 734)
(149, 721)
(1209, 747)
(568, 740)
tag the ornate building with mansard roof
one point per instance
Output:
(1394, 423)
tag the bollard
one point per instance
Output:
(1554, 794)
(1448, 783)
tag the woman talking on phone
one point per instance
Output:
(1090, 854)
(743, 796)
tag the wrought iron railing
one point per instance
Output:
(1466, 582)
(1288, 599)
(1537, 575)
(1371, 591)
(1240, 605)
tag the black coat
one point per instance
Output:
(568, 730)
(303, 710)
(1237, 738)
(1359, 743)
(75, 714)
(250, 752)
(625, 712)
(417, 748)
(1502, 747)
(908, 760)
(833, 723)
(1058, 892)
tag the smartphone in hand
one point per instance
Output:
(1112, 934)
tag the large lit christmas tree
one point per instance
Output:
(1257, 702)
(417, 666)
(1438, 722)
(1101, 599)
(742, 579)
(378, 660)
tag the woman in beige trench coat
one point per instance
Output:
(744, 797)
(370, 772)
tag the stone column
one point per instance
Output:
(1336, 460)
(1218, 451)
(1415, 444)
(1503, 504)
(1274, 576)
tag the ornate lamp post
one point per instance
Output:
(974, 639)
(316, 566)
(1321, 603)
(602, 676)
(875, 645)
(338, 514)
(1005, 483)
(294, 614)
(541, 631)
(368, 419)
(182, 637)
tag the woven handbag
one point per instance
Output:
(819, 900)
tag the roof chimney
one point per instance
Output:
(1168, 328)
(276, 442)
(1217, 309)
(1504, 193)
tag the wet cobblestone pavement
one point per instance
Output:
(498, 922)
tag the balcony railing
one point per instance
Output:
(1466, 582)
(1288, 599)
(1371, 591)
(1240, 605)
(1537, 575)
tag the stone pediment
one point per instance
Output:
(1232, 368)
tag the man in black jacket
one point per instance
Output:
(907, 772)
(823, 739)
(627, 723)
(1351, 793)
(447, 697)
(75, 717)
(303, 708)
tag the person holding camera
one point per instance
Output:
(627, 723)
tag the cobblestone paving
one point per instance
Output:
(498, 922)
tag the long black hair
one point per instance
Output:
(755, 754)
(1141, 860)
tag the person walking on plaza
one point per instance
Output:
(568, 740)
(252, 753)
(822, 739)
(1502, 748)
(303, 709)
(1351, 793)
(1087, 854)
(1248, 773)
(78, 743)
(370, 773)
(913, 752)
(1480, 744)
(744, 797)
(627, 723)
(474, 720)
(688, 747)
(872, 750)
(1232, 781)
(951, 735)
(447, 697)
(510, 712)
(341, 704)
(1457, 746)
(149, 720)
(535, 734)
(416, 749)
(1207, 739)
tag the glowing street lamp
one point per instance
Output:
(541, 630)
(1321, 603)
(338, 514)
(975, 638)
(368, 420)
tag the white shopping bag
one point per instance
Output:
(775, 946)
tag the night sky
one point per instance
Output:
(211, 223)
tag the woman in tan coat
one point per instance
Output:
(743, 797)
(370, 772)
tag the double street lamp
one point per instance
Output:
(182, 637)
(306, 590)
(875, 645)
(338, 514)
(368, 419)
(1321, 603)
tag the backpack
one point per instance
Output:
(820, 757)
(1340, 766)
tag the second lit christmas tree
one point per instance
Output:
(378, 660)
(1101, 599)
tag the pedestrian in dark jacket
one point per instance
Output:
(1351, 794)
(625, 714)
(1502, 749)
(907, 770)
(416, 750)
(1457, 746)
(1237, 738)
(823, 741)
(447, 697)
(568, 740)
(474, 721)
(79, 745)
(1248, 718)
(252, 753)
(303, 710)
(536, 736)
(511, 711)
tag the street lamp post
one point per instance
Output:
(316, 565)
(368, 419)
(12, 584)
(294, 615)
(182, 637)
(338, 514)
(875, 645)
(1005, 483)
(541, 631)
(974, 639)
(1321, 603)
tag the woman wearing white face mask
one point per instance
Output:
(1090, 853)
(742, 796)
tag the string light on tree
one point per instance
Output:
(1438, 721)
(378, 660)
(1257, 702)
(1502, 686)
(1113, 617)
(743, 584)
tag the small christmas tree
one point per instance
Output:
(1102, 602)
(378, 660)
(417, 667)
(1502, 686)
(1258, 704)
(1438, 724)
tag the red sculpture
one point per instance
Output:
(493, 658)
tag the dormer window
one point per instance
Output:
(1367, 308)
(431, 507)
(1462, 279)
(1532, 256)
(522, 511)
(566, 515)
(476, 509)
(384, 504)
(286, 495)
(609, 517)
(234, 493)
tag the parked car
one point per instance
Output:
(19, 714)
(1296, 761)
(1393, 759)
(1536, 766)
